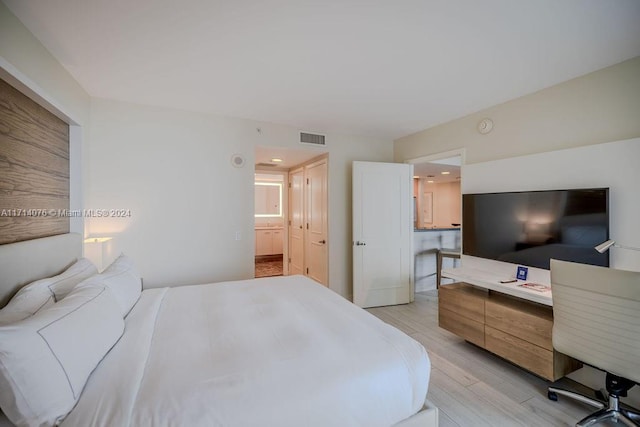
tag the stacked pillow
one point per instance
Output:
(43, 293)
(48, 353)
(123, 280)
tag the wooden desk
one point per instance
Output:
(515, 329)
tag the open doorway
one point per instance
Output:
(292, 233)
(437, 217)
(270, 206)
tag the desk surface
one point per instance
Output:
(488, 280)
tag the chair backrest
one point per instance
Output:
(596, 316)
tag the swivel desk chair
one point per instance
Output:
(596, 319)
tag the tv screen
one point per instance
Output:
(530, 228)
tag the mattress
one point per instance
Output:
(279, 351)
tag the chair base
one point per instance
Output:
(608, 410)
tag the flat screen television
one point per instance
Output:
(532, 227)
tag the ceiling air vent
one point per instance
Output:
(312, 138)
(269, 165)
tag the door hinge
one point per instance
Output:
(307, 226)
(289, 222)
(307, 270)
(289, 260)
(307, 181)
(289, 185)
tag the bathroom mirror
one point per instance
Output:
(268, 199)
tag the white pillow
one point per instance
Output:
(62, 284)
(123, 280)
(46, 359)
(31, 298)
(44, 292)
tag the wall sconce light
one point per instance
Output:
(604, 246)
(94, 250)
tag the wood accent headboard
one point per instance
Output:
(34, 169)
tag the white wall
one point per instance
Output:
(173, 170)
(599, 107)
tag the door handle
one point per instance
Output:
(359, 243)
(322, 242)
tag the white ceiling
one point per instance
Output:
(432, 171)
(377, 67)
(290, 156)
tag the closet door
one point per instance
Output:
(296, 222)
(316, 235)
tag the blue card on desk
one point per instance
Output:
(522, 273)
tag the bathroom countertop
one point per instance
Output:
(419, 230)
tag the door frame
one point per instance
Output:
(285, 214)
(439, 156)
(430, 158)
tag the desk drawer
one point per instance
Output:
(524, 320)
(463, 298)
(530, 356)
(462, 326)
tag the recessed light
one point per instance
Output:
(276, 160)
(416, 177)
(431, 176)
(430, 182)
(445, 173)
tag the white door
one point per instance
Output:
(382, 233)
(296, 222)
(316, 256)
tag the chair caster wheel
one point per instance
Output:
(552, 395)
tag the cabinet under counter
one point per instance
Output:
(512, 328)
(269, 240)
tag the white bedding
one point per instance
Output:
(279, 351)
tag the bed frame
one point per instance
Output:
(427, 417)
(24, 262)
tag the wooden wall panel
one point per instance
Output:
(34, 169)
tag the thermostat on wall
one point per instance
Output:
(485, 126)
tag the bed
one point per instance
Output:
(274, 351)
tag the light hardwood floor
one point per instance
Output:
(472, 387)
